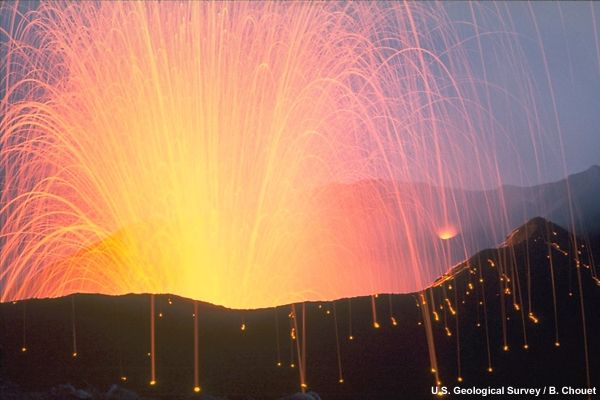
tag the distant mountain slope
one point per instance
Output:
(420, 215)
(378, 235)
(579, 191)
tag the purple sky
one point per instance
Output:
(568, 64)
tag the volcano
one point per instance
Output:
(508, 316)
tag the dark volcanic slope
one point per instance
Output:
(113, 335)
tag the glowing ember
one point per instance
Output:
(447, 233)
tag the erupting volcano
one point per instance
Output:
(266, 154)
(246, 154)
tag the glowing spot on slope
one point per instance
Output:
(447, 232)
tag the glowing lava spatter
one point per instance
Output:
(196, 351)
(248, 154)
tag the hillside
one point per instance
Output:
(113, 334)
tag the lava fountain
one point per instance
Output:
(249, 154)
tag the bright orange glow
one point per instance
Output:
(197, 389)
(152, 353)
(533, 318)
(246, 154)
(196, 349)
(152, 383)
(450, 306)
(447, 232)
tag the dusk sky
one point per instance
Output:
(570, 39)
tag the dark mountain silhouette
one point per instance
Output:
(540, 269)
(571, 203)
